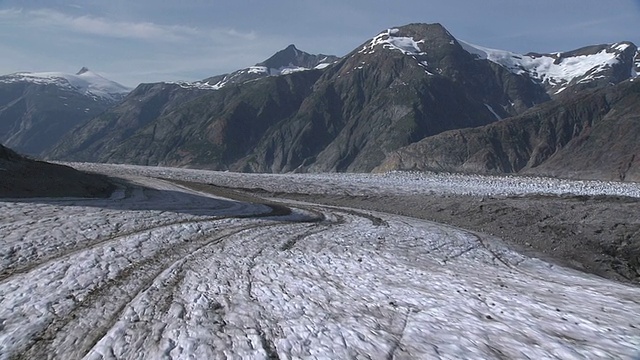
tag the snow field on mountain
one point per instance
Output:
(389, 40)
(545, 68)
(86, 82)
(167, 271)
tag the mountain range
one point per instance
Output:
(37, 109)
(409, 98)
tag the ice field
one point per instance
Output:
(160, 270)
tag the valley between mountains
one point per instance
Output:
(419, 197)
(412, 97)
(170, 266)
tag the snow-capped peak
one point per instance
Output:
(84, 81)
(389, 39)
(557, 69)
(286, 61)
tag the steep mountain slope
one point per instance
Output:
(209, 130)
(590, 136)
(395, 89)
(401, 86)
(100, 139)
(95, 139)
(22, 177)
(413, 82)
(37, 109)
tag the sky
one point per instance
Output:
(167, 40)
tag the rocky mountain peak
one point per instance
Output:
(429, 48)
(412, 39)
(83, 70)
(285, 61)
(291, 57)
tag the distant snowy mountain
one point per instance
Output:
(401, 86)
(286, 61)
(291, 59)
(591, 66)
(36, 109)
(85, 82)
(560, 70)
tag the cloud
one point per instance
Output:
(100, 26)
(128, 51)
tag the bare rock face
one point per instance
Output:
(589, 136)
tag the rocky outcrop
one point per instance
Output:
(22, 177)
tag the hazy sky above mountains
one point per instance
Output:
(165, 40)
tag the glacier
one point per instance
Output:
(168, 269)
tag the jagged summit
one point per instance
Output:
(286, 61)
(83, 70)
(283, 57)
(291, 57)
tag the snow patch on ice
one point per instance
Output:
(150, 281)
